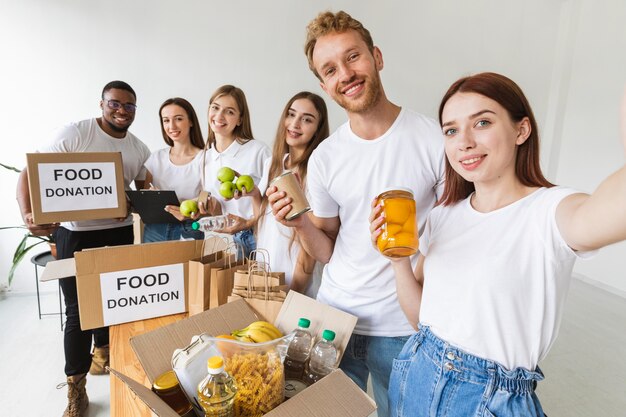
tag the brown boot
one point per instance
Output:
(77, 400)
(99, 361)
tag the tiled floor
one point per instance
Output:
(584, 372)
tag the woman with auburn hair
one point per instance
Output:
(177, 167)
(230, 144)
(497, 255)
(303, 125)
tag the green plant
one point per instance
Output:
(24, 247)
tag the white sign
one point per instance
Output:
(142, 293)
(77, 186)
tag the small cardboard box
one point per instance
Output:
(334, 396)
(76, 186)
(119, 284)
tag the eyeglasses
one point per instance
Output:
(116, 105)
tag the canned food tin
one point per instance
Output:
(288, 183)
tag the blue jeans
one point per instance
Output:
(373, 355)
(245, 242)
(431, 378)
(160, 232)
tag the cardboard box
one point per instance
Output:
(76, 186)
(334, 396)
(126, 283)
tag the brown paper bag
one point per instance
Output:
(222, 279)
(198, 292)
(265, 303)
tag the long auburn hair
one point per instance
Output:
(195, 134)
(510, 96)
(281, 148)
(243, 132)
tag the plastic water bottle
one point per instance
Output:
(209, 224)
(297, 354)
(216, 392)
(323, 358)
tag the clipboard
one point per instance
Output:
(149, 205)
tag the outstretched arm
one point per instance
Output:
(592, 221)
(409, 283)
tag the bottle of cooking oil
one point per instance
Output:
(216, 392)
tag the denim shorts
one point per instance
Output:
(431, 378)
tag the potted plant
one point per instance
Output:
(25, 246)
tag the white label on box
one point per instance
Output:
(77, 186)
(142, 293)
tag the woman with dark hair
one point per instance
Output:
(497, 254)
(177, 167)
(303, 125)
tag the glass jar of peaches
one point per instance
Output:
(399, 231)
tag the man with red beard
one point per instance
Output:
(108, 133)
(381, 147)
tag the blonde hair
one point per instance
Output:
(328, 22)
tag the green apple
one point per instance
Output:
(227, 189)
(188, 208)
(225, 174)
(245, 181)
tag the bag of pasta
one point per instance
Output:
(257, 369)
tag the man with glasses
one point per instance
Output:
(108, 133)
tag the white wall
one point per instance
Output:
(57, 55)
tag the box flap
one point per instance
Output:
(155, 349)
(335, 395)
(146, 395)
(59, 269)
(322, 317)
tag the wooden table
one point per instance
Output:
(123, 359)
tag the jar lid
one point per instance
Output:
(391, 189)
(165, 381)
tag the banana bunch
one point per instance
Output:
(257, 332)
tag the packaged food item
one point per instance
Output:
(257, 369)
(217, 391)
(399, 237)
(166, 386)
(288, 183)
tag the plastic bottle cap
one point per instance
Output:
(304, 323)
(195, 225)
(215, 362)
(328, 335)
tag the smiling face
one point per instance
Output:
(349, 70)
(116, 121)
(176, 123)
(300, 124)
(224, 115)
(481, 140)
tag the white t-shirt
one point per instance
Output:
(246, 159)
(274, 237)
(88, 136)
(495, 283)
(184, 179)
(345, 173)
